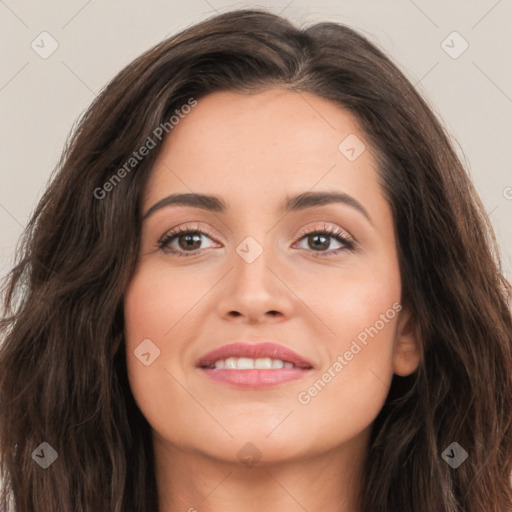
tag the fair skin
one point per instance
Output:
(255, 152)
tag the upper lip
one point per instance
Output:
(254, 351)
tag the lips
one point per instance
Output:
(240, 372)
(254, 351)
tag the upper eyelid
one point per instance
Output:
(187, 228)
(329, 228)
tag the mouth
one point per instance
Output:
(253, 365)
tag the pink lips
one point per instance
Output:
(254, 378)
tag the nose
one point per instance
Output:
(255, 290)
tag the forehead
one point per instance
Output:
(252, 147)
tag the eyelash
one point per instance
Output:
(331, 232)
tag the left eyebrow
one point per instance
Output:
(312, 199)
(296, 203)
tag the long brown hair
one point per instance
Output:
(63, 376)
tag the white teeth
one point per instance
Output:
(247, 363)
(263, 363)
(230, 363)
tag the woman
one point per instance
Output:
(181, 334)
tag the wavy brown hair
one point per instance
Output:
(63, 373)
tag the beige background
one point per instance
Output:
(40, 99)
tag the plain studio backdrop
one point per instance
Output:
(58, 54)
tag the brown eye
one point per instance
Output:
(319, 240)
(188, 241)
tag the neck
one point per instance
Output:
(194, 482)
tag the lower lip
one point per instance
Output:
(254, 379)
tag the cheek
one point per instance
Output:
(353, 385)
(157, 303)
(360, 311)
(152, 307)
(357, 303)
(148, 311)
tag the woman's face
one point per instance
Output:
(254, 272)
